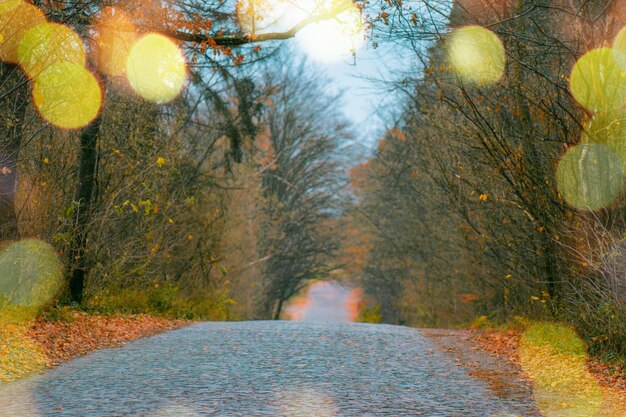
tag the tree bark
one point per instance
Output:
(10, 142)
(279, 309)
(538, 204)
(88, 160)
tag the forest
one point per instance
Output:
(173, 158)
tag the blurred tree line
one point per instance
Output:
(226, 201)
(217, 205)
(459, 203)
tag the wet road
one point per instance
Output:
(261, 369)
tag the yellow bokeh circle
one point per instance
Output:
(67, 95)
(590, 176)
(48, 44)
(555, 359)
(476, 55)
(156, 68)
(9, 5)
(13, 25)
(619, 48)
(597, 82)
(30, 274)
(609, 130)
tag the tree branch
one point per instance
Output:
(243, 39)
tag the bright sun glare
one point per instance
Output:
(326, 41)
(331, 40)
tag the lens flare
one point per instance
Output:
(48, 44)
(8, 5)
(555, 359)
(13, 25)
(597, 82)
(609, 130)
(156, 68)
(606, 128)
(476, 55)
(590, 176)
(30, 273)
(114, 37)
(67, 95)
(331, 40)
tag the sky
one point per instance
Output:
(327, 43)
(367, 101)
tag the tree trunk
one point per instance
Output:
(537, 201)
(88, 161)
(279, 309)
(14, 108)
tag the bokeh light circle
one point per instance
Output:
(67, 95)
(30, 273)
(48, 44)
(156, 68)
(597, 82)
(114, 37)
(609, 130)
(13, 25)
(606, 128)
(9, 5)
(555, 359)
(476, 55)
(619, 48)
(590, 176)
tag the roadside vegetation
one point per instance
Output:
(487, 196)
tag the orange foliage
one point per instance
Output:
(468, 298)
(64, 340)
(353, 303)
(397, 134)
(297, 307)
(358, 175)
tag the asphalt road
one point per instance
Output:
(262, 369)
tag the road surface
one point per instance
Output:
(262, 369)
